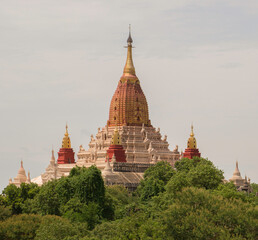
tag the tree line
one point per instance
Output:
(191, 202)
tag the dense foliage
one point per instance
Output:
(191, 202)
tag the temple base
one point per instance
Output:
(65, 155)
(190, 153)
(119, 152)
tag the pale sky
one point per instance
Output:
(60, 61)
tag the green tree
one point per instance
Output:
(16, 196)
(205, 175)
(185, 164)
(57, 228)
(47, 200)
(254, 187)
(198, 172)
(5, 213)
(228, 190)
(82, 196)
(90, 186)
(13, 198)
(20, 227)
(65, 189)
(178, 182)
(118, 198)
(155, 179)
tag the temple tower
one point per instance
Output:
(237, 178)
(128, 106)
(21, 177)
(66, 153)
(52, 171)
(191, 150)
(129, 112)
(241, 183)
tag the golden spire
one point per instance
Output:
(192, 141)
(116, 138)
(192, 134)
(66, 140)
(66, 131)
(129, 67)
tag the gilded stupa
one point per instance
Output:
(129, 113)
(129, 106)
(66, 153)
(116, 149)
(191, 150)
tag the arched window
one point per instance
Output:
(138, 109)
(115, 108)
(138, 118)
(114, 118)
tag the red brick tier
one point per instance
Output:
(119, 152)
(190, 153)
(65, 156)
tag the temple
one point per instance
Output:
(242, 184)
(129, 112)
(191, 150)
(21, 177)
(126, 146)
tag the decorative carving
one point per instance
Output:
(81, 148)
(176, 149)
(92, 138)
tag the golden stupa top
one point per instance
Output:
(192, 141)
(66, 139)
(116, 139)
(129, 67)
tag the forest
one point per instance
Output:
(189, 202)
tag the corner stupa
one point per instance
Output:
(191, 150)
(66, 153)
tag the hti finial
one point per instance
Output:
(192, 133)
(129, 40)
(66, 128)
(129, 67)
